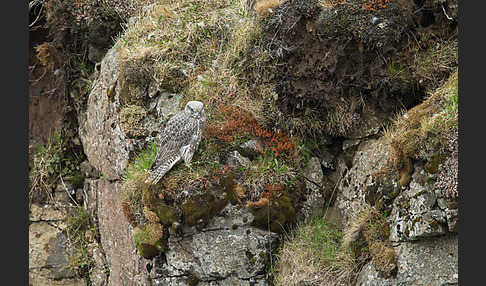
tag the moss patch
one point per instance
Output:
(167, 214)
(149, 239)
(147, 251)
(275, 212)
(432, 166)
(193, 280)
(384, 258)
(196, 211)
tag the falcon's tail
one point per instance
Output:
(161, 170)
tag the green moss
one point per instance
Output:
(432, 166)
(161, 244)
(149, 239)
(167, 214)
(196, 209)
(279, 213)
(211, 206)
(147, 251)
(193, 280)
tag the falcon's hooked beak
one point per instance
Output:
(197, 114)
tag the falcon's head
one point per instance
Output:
(195, 108)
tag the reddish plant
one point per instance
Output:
(231, 124)
(272, 190)
(367, 5)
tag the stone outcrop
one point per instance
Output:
(316, 188)
(228, 250)
(421, 211)
(103, 140)
(424, 262)
(423, 222)
(48, 247)
(125, 265)
(356, 184)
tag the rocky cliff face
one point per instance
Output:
(227, 250)
(423, 222)
(339, 83)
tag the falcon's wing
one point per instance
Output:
(177, 133)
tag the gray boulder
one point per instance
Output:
(426, 262)
(228, 250)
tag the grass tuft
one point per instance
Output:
(51, 162)
(133, 186)
(425, 130)
(312, 255)
(80, 233)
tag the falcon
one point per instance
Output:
(180, 140)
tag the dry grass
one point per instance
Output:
(441, 57)
(366, 234)
(197, 47)
(355, 227)
(423, 131)
(46, 53)
(267, 7)
(342, 117)
(368, 225)
(313, 256)
(263, 202)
